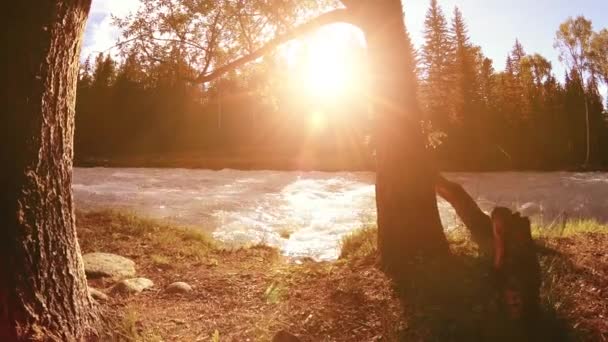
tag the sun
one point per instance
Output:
(327, 63)
(325, 76)
(318, 120)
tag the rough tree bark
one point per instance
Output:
(408, 218)
(43, 289)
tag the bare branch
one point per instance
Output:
(477, 222)
(335, 16)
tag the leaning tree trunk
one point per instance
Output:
(43, 289)
(408, 218)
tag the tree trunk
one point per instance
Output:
(43, 289)
(408, 219)
(587, 130)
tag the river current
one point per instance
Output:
(306, 214)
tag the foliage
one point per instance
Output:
(476, 118)
(205, 34)
(510, 120)
(154, 113)
(599, 53)
(436, 59)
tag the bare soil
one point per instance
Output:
(249, 294)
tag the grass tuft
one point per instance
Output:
(360, 243)
(569, 228)
(129, 328)
(133, 235)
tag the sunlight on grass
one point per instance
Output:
(168, 242)
(569, 228)
(360, 243)
(129, 328)
(275, 293)
(161, 261)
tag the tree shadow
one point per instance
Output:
(456, 299)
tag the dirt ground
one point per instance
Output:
(250, 294)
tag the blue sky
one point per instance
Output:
(493, 24)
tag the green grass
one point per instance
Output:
(122, 230)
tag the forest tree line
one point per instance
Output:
(476, 118)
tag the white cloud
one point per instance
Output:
(100, 34)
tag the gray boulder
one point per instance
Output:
(179, 287)
(132, 286)
(98, 265)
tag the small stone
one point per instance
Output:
(284, 336)
(132, 286)
(98, 295)
(98, 265)
(179, 287)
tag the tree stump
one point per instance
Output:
(506, 237)
(516, 267)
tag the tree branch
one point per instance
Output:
(476, 221)
(335, 16)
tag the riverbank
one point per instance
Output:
(239, 160)
(308, 160)
(252, 293)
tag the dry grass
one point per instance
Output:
(239, 294)
(575, 282)
(574, 262)
(251, 293)
(569, 228)
(125, 233)
(360, 243)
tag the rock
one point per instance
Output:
(284, 336)
(132, 286)
(179, 287)
(98, 295)
(97, 265)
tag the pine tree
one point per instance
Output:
(436, 59)
(463, 96)
(517, 54)
(85, 76)
(105, 71)
(516, 88)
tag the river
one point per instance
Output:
(306, 214)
